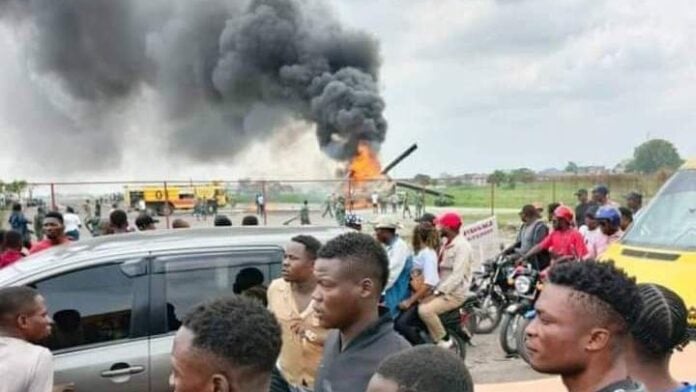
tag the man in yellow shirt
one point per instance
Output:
(290, 299)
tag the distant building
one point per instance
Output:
(593, 170)
(475, 179)
(468, 179)
(552, 172)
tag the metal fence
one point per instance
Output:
(278, 202)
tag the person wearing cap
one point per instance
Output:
(634, 202)
(583, 204)
(565, 242)
(609, 220)
(145, 222)
(532, 232)
(590, 230)
(456, 261)
(600, 195)
(400, 260)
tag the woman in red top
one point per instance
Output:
(12, 246)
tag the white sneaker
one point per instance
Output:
(445, 343)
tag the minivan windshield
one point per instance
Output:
(669, 221)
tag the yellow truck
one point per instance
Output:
(175, 197)
(660, 246)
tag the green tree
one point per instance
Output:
(497, 177)
(16, 187)
(523, 175)
(572, 167)
(654, 155)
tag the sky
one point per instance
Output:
(480, 85)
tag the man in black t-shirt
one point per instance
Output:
(351, 272)
(584, 204)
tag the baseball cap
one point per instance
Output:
(144, 220)
(450, 220)
(386, 222)
(529, 209)
(581, 192)
(427, 218)
(601, 189)
(633, 196)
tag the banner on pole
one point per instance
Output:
(484, 238)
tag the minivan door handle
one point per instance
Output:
(123, 372)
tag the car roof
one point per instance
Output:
(140, 244)
(690, 164)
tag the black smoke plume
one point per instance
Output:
(226, 72)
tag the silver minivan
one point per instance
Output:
(117, 300)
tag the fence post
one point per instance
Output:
(349, 199)
(265, 203)
(166, 209)
(53, 197)
(553, 191)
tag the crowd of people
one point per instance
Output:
(346, 315)
(54, 228)
(584, 232)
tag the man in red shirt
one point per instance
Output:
(565, 242)
(13, 249)
(54, 231)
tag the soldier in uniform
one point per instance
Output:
(329, 206)
(304, 214)
(341, 211)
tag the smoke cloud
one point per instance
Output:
(225, 73)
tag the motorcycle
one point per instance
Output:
(452, 321)
(525, 280)
(494, 293)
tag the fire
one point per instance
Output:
(365, 165)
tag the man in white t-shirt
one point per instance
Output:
(24, 320)
(72, 224)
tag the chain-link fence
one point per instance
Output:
(318, 202)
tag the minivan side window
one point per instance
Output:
(88, 306)
(190, 280)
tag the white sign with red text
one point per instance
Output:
(484, 238)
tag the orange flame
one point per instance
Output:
(365, 165)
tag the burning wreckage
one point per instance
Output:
(365, 176)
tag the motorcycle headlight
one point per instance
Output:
(523, 284)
